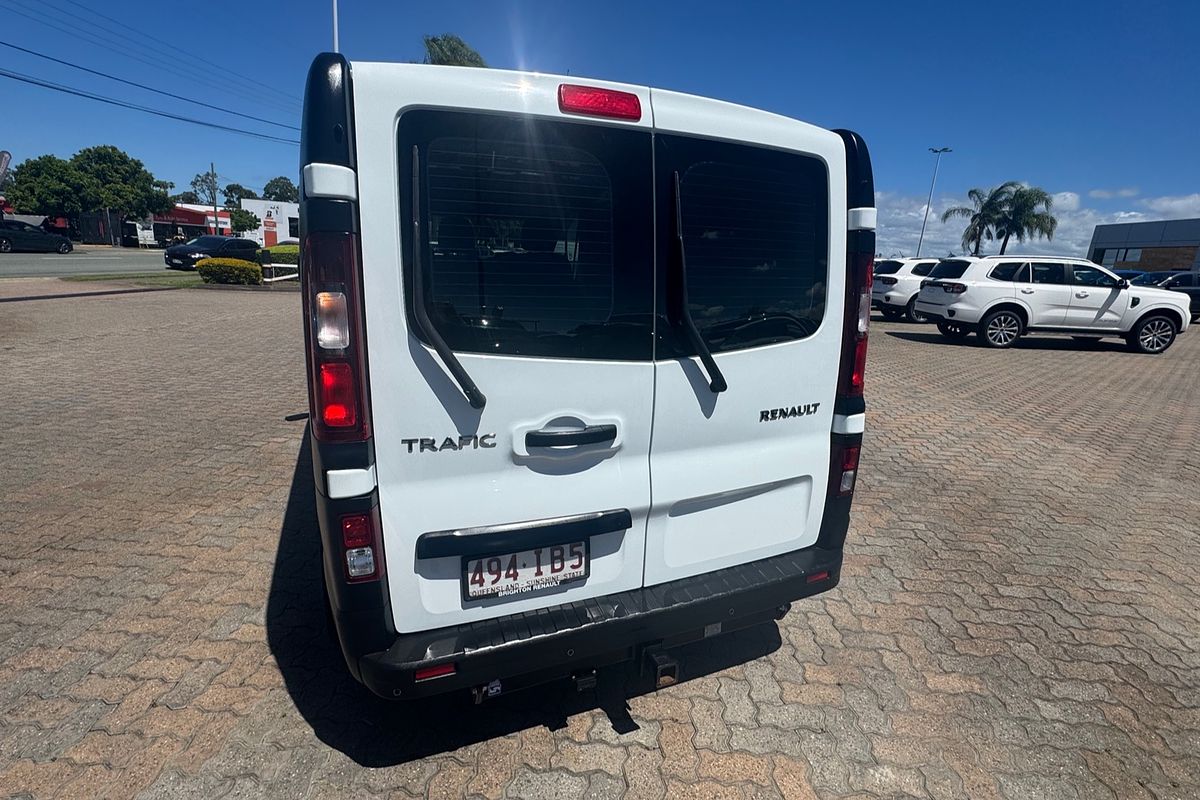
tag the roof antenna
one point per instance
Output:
(335, 29)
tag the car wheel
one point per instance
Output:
(1152, 335)
(953, 330)
(64, 247)
(912, 315)
(1000, 329)
(5, 246)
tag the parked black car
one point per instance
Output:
(1186, 282)
(16, 235)
(185, 256)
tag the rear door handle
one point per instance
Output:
(592, 434)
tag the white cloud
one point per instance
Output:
(1066, 201)
(1108, 194)
(900, 225)
(1187, 205)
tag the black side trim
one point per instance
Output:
(328, 125)
(515, 536)
(592, 434)
(850, 405)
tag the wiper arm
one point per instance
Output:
(421, 314)
(681, 315)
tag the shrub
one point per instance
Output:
(230, 270)
(285, 254)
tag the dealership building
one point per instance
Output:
(277, 221)
(1150, 246)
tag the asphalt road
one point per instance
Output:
(80, 262)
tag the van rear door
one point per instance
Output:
(519, 236)
(752, 216)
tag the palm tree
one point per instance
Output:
(984, 217)
(1022, 216)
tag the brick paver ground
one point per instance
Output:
(1019, 615)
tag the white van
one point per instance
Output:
(585, 367)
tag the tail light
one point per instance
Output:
(857, 322)
(361, 547)
(335, 338)
(888, 281)
(925, 283)
(954, 288)
(849, 470)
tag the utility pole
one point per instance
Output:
(335, 29)
(928, 202)
(212, 171)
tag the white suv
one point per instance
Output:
(896, 285)
(1004, 297)
(585, 367)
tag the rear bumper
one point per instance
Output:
(524, 649)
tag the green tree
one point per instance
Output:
(124, 185)
(186, 196)
(235, 193)
(984, 216)
(205, 187)
(450, 50)
(241, 220)
(1026, 213)
(52, 186)
(281, 190)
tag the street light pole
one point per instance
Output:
(933, 182)
(335, 30)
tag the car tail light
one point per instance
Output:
(925, 283)
(857, 323)
(361, 546)
(597, 102)
(335, 340)
(954, 288)
(849, 470)
(888, 281)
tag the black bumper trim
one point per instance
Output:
(517, 645)
(517, 536)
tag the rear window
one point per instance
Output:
(756, 241)
(1006, 271)
(526, 249)
(887, 267)
(949, 269)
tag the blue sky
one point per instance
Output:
(1095, 102)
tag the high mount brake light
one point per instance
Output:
(597, 102)
(336, 345)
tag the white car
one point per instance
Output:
(896, 285)
(585, 368)
(1005, 297)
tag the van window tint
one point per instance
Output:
(1005, 271)
(526, 250)
(888, 267)
(950, 269)
(756, 240)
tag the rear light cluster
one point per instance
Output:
(925, 283)
(849, 470)
(336, 346)
(954, 288)
(888, 281)
(361, 544)
(858, 320)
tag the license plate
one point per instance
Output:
(176, 261)
(517, 574)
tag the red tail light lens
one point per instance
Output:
(954, 288)
(337, 398)
(597, 102)
(849, 470)
(857, 325)
(428, 673)
(925, 283)
(362, 551)
(888, 281)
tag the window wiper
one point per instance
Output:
(421, 314)
(680, 314)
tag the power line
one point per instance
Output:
(133, 106)
(156, 61)
(147, 88)
(200, 59)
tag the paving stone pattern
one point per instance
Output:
(1019, 615)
